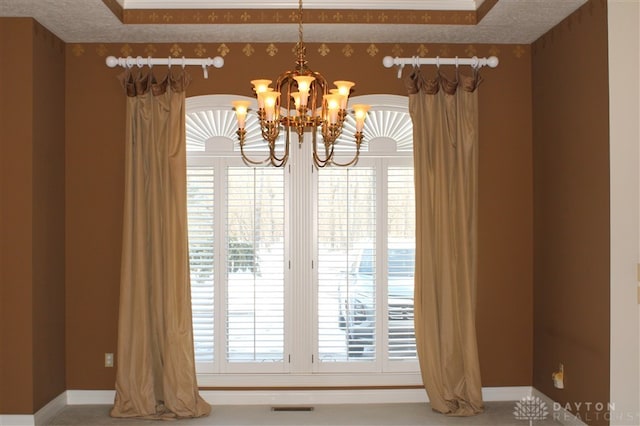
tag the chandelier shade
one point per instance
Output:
(301, 101)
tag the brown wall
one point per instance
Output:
(16, 103)
(505, 222)
(95, 107)
(48, 217)
(32, 281)
(571, 214)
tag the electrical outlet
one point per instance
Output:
(108, 359)
(558, 377)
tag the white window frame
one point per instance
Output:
(302, 370)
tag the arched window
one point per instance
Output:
(297, 269)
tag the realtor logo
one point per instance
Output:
(530, 408)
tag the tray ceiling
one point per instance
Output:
(356, 21)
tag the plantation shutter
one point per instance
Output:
(200, 205)
(400, 263)
(255, 264)
(346, 215)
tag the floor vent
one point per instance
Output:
(292, 408)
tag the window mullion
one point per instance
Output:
(381, 259)
(299, 304)
(220, 250)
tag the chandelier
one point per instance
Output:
(301, 100)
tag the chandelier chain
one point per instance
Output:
(300, 22)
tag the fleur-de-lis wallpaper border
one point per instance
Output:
(312, 16)
(347, 50)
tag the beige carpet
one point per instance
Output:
(496, 413)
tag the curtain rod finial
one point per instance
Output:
(218, 62)
(112, 61)
(387, 61)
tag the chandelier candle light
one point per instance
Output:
(301, 100)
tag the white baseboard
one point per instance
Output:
(506, 393)
(17, 420)
(90, 397)
(316, 397)
(277, 397)
(42, 417)
(557, 412)
(365, 396)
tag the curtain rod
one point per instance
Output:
(139, 62)
(474, 62)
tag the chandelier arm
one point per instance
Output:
(269, 132)
(328, 159)
(284, 79)
(335, 130)
(321, 88)
(328, 148)
(331, 132)
(287, 141)
(354, 160)
(278, 162)
(320, 163)
(273, 157)
(248, 161)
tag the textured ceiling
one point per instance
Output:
(508, 22)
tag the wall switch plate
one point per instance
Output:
(108, 359)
